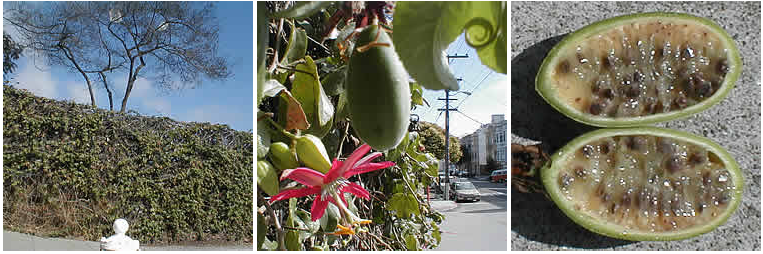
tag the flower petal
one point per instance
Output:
(368, 158)
(304, 176)
(319, 207)
(354, 157)
(368, 167)
(295, 193)
(356, 189)
(334, 167)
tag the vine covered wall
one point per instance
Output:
(70, 170)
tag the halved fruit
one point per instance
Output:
(644, 184)
(639, 69)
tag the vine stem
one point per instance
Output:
(275, 50)
(282, 130)
(279, 230)
(378, 239)
(341, 142)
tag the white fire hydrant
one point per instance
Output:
(119, 241)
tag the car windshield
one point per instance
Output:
(465, 186)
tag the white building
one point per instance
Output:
(485, 144)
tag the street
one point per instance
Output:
(480, 225)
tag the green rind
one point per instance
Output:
(549, 174)
(378, 92)
(545, 89)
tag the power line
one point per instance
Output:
(475, 88)
(470, 118)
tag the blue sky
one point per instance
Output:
(489, 93)
(224, 102)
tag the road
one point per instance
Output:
(481, 225)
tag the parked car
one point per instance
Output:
(464, 191)
(498, 176)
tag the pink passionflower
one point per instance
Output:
(332, 186)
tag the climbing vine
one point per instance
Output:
(324, 182)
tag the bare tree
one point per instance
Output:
(178, 41)
(57, 33)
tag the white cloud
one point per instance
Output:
(78, 93)
(160, 105)
(39, 82)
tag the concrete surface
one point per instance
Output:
(13, 241)
(734, 123)
(442, 205)
(477, 226)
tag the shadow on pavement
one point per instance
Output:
(532, 215)
(536, 218)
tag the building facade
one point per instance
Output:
(488, 143)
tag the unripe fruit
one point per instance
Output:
(312, 153)
(644, 184)
(282, 157)
(378, 92)
(267, 177)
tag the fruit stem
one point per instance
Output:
(281, 128)
(526, 161)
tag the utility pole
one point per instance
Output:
(447, 130)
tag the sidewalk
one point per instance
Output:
(13, 241)
(438, 203)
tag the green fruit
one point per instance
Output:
(282, 157)
(644, 184)
(639, 69)
(312, 153)
(267, 178)
(378, 93)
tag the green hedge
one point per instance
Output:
(70, 170)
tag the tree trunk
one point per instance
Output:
(108, 91)
(89, 88)
(131, 81)
(70, 56)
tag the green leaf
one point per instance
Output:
(342, 109)
(421, 36)
(297, 46)
(267, 177)
(262, 229)
(330, 218)
(436, 232)
(307, 89)
(304, 221)
(269, 245)
(404, 204)
(263, 137)
(292, 241)
(486, 32)
(411, 243)
(262, 47)
(302, 9)
(417, 95)
(423, 31)
(333, 83)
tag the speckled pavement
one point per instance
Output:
(734, 123)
